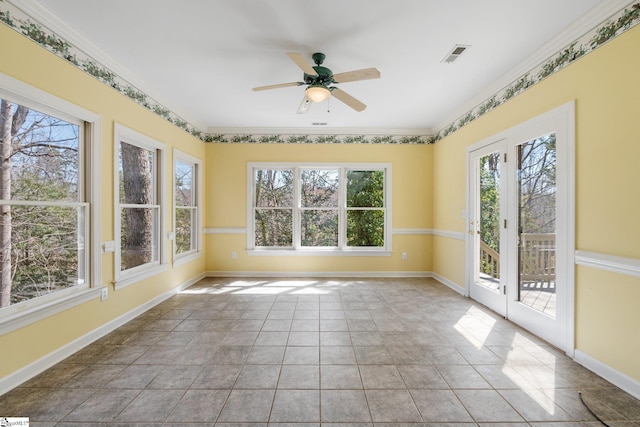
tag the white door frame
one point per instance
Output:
(496, 300)
(560, 120)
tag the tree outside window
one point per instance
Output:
(274, 208)
(138, 207)
(42, 208)
(186, 209)
(307, 207)
(319, 207)
(365, 208)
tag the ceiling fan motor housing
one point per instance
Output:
(324, 77)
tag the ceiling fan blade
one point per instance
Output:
(278, 86)
(352, 76)
(304, 105)
(348, 99)
(302, 63)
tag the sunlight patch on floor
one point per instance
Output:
(475, 326)
(262, 291)
(545, 377)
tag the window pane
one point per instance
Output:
(41, 247)
(136, 175)
(274, 227)
(46, 250)
(274, 188)
(185, 218)
(365, 228)
(42, 157)
(537, 224)
(319, 188)
(319, 228)
(138, 240)
(365, 189)
(184, 184)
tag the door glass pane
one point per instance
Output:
(488, 230)
(537, 224)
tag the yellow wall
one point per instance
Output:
(428, 192)
(31, 64)
(226, 206)
(604, 85)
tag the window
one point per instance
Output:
(139, 215)
(186, 205)
(306, 208)
(47, 247)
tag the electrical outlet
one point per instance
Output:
(104, 294)
(404, 255)
(234, 255)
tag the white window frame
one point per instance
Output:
(22, 314)
(342, 249)
(179, 156)
(125, 278)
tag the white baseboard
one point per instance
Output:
(318, 274)
(616, 378)
(24, 374)
(399, 274)
(449, 284)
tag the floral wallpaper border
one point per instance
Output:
(25, 25)
(317, 139)
(620, 22)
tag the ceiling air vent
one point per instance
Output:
(457, 50)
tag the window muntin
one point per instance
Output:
(138, 206)
(336, 207)
(44, 210)
(186, 214)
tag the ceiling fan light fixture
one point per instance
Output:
(318, 93)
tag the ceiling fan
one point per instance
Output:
(319, 81)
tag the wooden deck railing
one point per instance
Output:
(489, 260)
(537, 258)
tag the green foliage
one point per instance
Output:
(183, 240)
(319, 208)
(365, 226)
(490, 200)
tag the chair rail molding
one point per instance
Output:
(615, 264)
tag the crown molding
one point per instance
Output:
(600, 25)
(595, 17)
(49, 20)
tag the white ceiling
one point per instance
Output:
(200, 58)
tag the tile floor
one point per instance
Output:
(283, 351)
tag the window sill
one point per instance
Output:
(24, 316)
(315, 252)
(123, 282)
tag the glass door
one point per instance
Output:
(537, 288)
(487, 281)
(537, 224)
(520, 225)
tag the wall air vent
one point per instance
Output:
(319, 123)
(457, 50)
